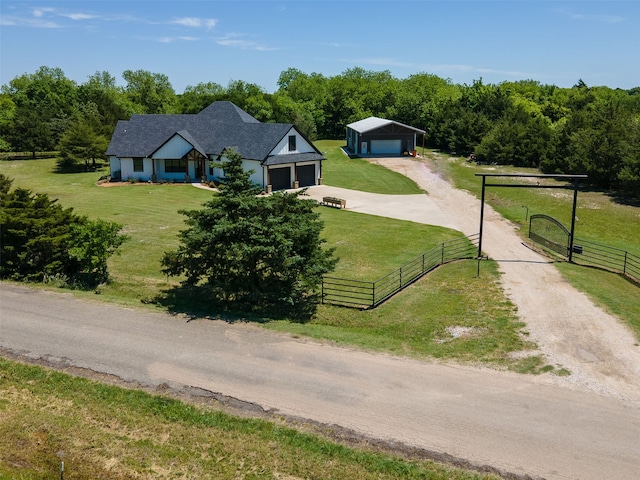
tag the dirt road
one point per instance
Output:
(514, 423)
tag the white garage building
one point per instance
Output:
(378, 136)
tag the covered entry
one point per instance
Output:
(280, 178)
(306, 175)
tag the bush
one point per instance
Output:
(41, 241)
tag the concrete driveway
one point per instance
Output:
(416, 208)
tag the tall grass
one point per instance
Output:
(107, 432)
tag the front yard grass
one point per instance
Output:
(368, 246)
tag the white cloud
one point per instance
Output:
(78, 16)
(194, 22)
(9, 21)
(234, 40)
(176, 39)
(592, 17)
(443, 67)
(40, 12)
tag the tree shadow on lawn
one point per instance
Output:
(200, 302)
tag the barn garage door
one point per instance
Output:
(379, 147)
(280, 178)
(306, 175)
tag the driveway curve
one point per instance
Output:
(601, 352)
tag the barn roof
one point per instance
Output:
(373, 123)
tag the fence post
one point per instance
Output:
(442, 255)
(624, 266)
(373, 293)
(322, 291)
(400, 286)
(423, 263)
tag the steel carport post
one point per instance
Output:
(576, 181)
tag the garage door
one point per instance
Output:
(379, 147)
(306, 175)
(280, 178)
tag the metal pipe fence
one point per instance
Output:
(362, 294)
(586, 252)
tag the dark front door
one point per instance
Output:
(199, 169)
(280, 178)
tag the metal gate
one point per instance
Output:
(550, 233)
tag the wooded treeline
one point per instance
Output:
(592, 130)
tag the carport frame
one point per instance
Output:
(576, 181)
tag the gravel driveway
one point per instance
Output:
(601, 353)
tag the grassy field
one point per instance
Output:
(107, 432)
(602, 218)
(368, 248)
(101, 431)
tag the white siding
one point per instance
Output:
(302, 146)
(177, 147)
(257, 175)
(127, 173)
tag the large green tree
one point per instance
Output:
(39, 239)
(44, 104)
(253, 252)
(150, 92)
(82, 143)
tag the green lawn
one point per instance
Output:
(102, 431)
(339, 170)
(601, 218)
(368, 248)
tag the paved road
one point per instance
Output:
(517, 424)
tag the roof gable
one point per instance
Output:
(227, 112)
(374, 123)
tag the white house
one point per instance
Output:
(182, 147)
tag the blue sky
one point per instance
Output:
(191, 42)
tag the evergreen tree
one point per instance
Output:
(40, 239)
(253, 252)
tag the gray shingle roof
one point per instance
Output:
(217, 127)
(292, 158)
(373, 123)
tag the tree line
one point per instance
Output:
(583, 129)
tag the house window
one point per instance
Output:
(138, 165)
(178, 165)
(292, 143)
